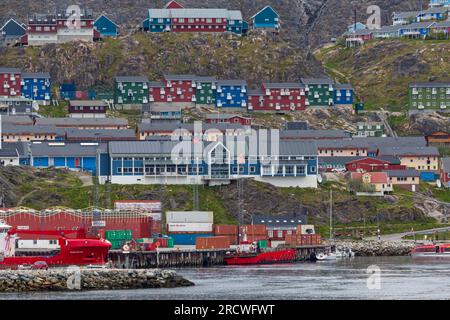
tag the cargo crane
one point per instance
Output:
(73, 251)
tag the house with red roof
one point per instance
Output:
(370, 183)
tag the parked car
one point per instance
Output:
(40, 265)
(339, 170)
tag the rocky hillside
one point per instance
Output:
(307, 22)
(254, 58)
(382, 70)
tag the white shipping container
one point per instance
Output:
(38, 244)
(190, 227)
(190, 217)
(148, 206)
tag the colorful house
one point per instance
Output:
(406, 179)
(343, 94)
(439, 138)
(131, 90)
(36, 86)
(441, 27)
(231, 94)
(320, 92)
(378, 183)
(356, 26)
(445, 172)
(266, 18)
(87, 109)
(236, 22)
(343, 148)
(10, 82)
(387, 32)
(73, 156)
(433, 13)
(430, 96)
(416, 30)
(423, 159)
(439, 3)
(228, 118)
(67, 91)
(164, 113)
(281, 97)
(12, 30)
(205, 90)
(371, 164)
(106, 27)
(370, 129)
(179, 88)
(401, 18)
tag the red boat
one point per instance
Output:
(77, 251)
(431, 251)
(252, 255)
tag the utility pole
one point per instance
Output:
(240, 195)
(331, 214)
(195, 200)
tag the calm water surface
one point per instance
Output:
(401, 278)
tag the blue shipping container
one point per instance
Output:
(183, 239)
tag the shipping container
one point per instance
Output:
(181, 239)
(189, 217)
(226, 230)
(189, 227)
(257, 229)
(119, 235)
(212, 243)
(117, 244)
(254, 238)
(138, 205)
(156, 227)
(263, 244)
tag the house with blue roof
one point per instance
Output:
(37, 87)
(439, 3)
(266, 18)
(356, 26)
(416, 30)
(12, 30)
(106, 27)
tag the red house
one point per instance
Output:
(10, 82)
(282, 97)
(173, 5)
(364, 35)
(228, 118)
(445, 172)
(374, 164)
(174, 88)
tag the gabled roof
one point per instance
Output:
(361, 32)
(317, 81)
(410, 151)
(343, 86)
(10, 70)
(173, 5)
(235, 15)
(37, 75)
(375, 177)
(443, 24)
(82, 121)
(283, 85)
(224, 116)
(257, 92)
(263, 9)
(9, 153)
(12, 20)
(343, 144)
(417, 25)
(55, 149)
(435, 10)
(313, 134)
(90, 103)
(405, 14)
(232, 83)
(430, 85)
(106, 17)
(180, 77)
(298, 148)
(17, 120)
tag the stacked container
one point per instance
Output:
(212, 243)
(118, 238)
(186, 226)
(229, 231)
(253, 233)
(151, 208)
(304, 240)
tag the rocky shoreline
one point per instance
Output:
(374, 248)
(88, 279)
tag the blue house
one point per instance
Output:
(416, 30)
(12, 30)
(267, 18)
(231, 94)
(68, 91)
(72, 156)
(343, 94)
(433, 13)
(438, 3)
(235, 22)
(159, 20)
(37, 87)
(106, 26)
(357, 26)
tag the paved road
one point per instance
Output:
(397, 237)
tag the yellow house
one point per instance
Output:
(343, 148)
(419, 158)
(17, 133)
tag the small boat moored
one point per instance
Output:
(431, 251)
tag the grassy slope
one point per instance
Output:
(381, 70)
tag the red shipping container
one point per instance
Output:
(257, 229)
(212, 243)
(226, 230)
(156, 227)
(255, 238)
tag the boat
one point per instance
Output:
(326, 256)
(252, 255)
(79, 251)
(431, 251)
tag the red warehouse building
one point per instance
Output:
(229, 118)
(10, 82)
(374, 164)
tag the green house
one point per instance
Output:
(370, 129)
(430, 96)
(320, 92)
(131, 90)
(205, 90)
